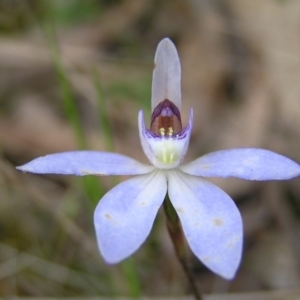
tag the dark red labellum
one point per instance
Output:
(166, 119)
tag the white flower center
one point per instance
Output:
(167, 149)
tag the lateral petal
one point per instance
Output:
(210, 220)
(166, 75)
(125, 215)
(85, 163)
(245, 163)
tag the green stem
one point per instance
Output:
(176, 234)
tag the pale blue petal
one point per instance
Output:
(166, 75)
(85, 163)
(210, 220)
(245, 163)
(125, 215)
(165, 152)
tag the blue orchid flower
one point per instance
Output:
(210, 219)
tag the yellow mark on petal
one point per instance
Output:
(171, 157)
(162, 131)
(167, 153)
(143, 203)
(218, 222)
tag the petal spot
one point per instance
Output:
(108, 216)
(206, 167)
(206, 259)
(85, 172)
(232, 242)
(180, 210)
(143, 203)
(218, 222)
(229, 245)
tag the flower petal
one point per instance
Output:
(210, 220)
(245, 163)
(166, 75)
(125, 215)
(85, 163)
(165, 152)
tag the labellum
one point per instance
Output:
(166, 119)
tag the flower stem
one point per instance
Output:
(176, 234)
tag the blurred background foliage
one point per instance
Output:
(74, 74)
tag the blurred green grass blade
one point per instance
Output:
(91, 185)
(66, 92)
(105, 125)
(128, 268)
(93, 189)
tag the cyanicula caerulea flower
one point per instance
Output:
(210, 219)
